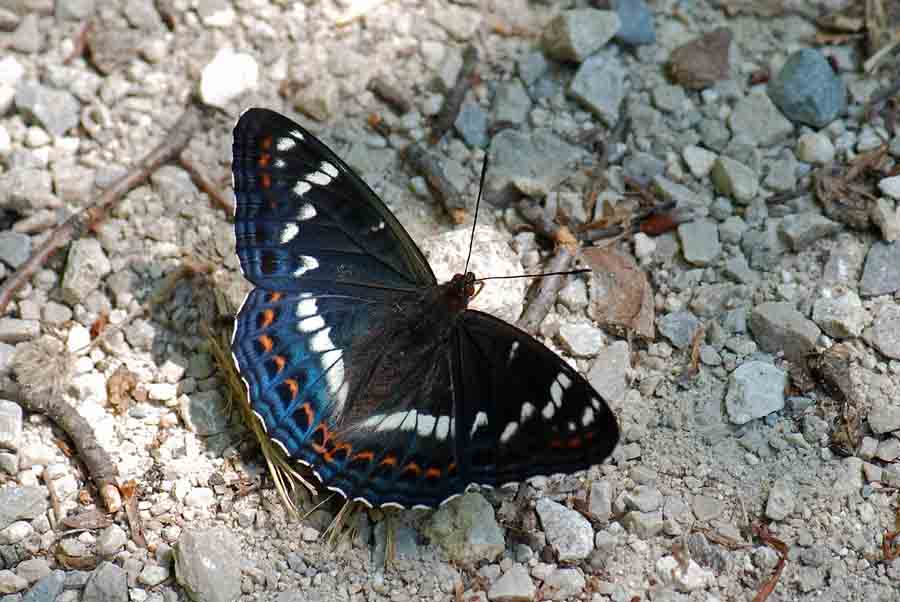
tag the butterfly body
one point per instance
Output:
(364, 368)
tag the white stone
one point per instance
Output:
(227, 76)
(689, 579)
(815, 148)
(699, 160)
(78, 340)
(11, 71)
(890, 187)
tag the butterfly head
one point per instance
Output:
(461, 289)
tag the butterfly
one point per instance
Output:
(360, 366)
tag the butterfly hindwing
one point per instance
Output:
(522, 411)
(302, 215)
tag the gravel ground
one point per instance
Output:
(734, 461)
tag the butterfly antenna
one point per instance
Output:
(539, 275)
(484, 167)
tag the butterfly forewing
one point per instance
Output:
(360, 366)
(303, 215)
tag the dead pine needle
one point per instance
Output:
(762, 532)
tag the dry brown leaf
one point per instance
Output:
(89, 519)
(119, 387)
(623, 299)
(702, 62)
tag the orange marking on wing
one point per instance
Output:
(556, 443)
(389, 460)
(293, 386)
(266, 342)
(433, 473)
(307, 409)
(413, 468)
(329, 456)
(363, 455)
(266, 143)
(264, 159)
(266, 318)
(265, 180)
(451, 468)
(279, 362)
(274, 297)
(574, 442)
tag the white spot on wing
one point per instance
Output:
(527, 411)
(378, 227)
(301, 188)
(318, 178)
(307, 211)
(279, 164)
(321, 341)
(285, 144)
(289, 232)
(509, 431)
(297, 134)
(481, 419)
(548, 411)
(564, 380)
(425, 424)
(307, 307)
(587, 418)
(556, 393)
(444, 427)
(513, 352)
(307, 263)
(311, 324)
(329, 169)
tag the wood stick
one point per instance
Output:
(426, 165)
(76, 226)
(545, 290)
(208, 186)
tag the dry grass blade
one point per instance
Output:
(283, 474)
(762, 531)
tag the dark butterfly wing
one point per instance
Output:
(521, 410)
(374, 421)
(303, 217)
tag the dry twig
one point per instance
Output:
(455, 96)
(207, 186)
(762, 531)
(439, 184)
(76, 226)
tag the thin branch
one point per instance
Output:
(423, 163)
(545, 290)
(76, 226)
(207, 186)
(455, 96)
(389, 94)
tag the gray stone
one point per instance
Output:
(581, 339)
(15, 248)
(466, 529)
(10, 582)
(563, 584)
(844, 262)
(33, 569)
(782, 176)
(699, 160)
(532, 66)
(644, 498)
(807, 90)
(782, 499)
(599, 85)
(534, 163)
(57, 111)
(755, 389)
(10, 425)
(644, 524)
(514, 586)
(404, 542)
(108, 583)
(28, 37)
(888, 450)
(568, 532)
(757, 118)
(679, 328)
(471, 124)
(815, 148)
(574, 35)
(700, 241)
(734, 179)
(803, 229)
(74, 10)
(86, 266)
(636, 22)
(511, 103)
(839, 312)
(13, 330)
(707, 508)
(51, 585)
(142, 14)
(21, 503)
(732, 229)
(881, 274)
(111, 541)
(152, 575)
(738, 269)
(600, 501)
(609, 372)
(207, 565)
(55, 314)
(778, 326)
(886, 331)
(73, 183)
(887, 217)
